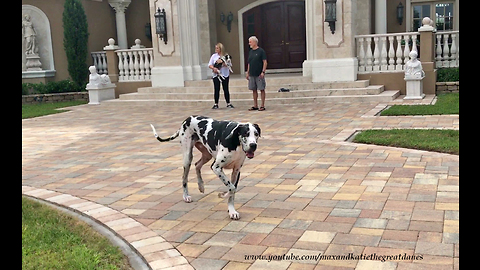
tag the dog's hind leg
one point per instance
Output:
(206, 156)
(187, 147)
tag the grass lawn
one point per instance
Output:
(446, 104)
(445, 141)
(35, 110)
(54, 240)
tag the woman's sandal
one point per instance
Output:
(253, 109)
(262, 109)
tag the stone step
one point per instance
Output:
(239, 80)
(234, 88)
(245, 94)
(384, 96)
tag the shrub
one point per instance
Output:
(51, 87)
(75, 39)
(448, 74)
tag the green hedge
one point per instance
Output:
(448, 74)
(51, 87)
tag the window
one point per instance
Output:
(444, 16)
(440, 12)
(420, 12)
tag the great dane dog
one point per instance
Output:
(226, 141)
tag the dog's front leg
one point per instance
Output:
(231, 208)
(218, 170)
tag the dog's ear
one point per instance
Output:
(234, 132)
(258, 129)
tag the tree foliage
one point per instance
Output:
(75, 39)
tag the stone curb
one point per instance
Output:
(152, 248)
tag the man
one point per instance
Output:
(257, 64)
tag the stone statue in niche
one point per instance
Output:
(95, 80)
(31, 46)
(29, 35)
(413, 67)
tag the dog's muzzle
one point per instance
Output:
(251, 151)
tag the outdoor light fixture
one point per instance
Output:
(229, 20)
(331, 14)
(400, 13)
(161, 24)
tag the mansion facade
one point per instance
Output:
(293, 33)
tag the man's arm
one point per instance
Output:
(264, 68)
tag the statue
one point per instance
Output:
(31, 47)
(99, 87)
(413, 67)
(94, 79)
(414, 75)
(29, 35)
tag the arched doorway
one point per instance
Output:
(280, 28)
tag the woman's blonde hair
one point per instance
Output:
(222, 48)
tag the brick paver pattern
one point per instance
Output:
(307, 191)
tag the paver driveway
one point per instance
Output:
(306, 192)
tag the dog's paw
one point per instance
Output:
(201, 188)
(187, 199)
(234, 215)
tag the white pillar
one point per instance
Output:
(193, 69)
(380, 16)
(167, 70)
(120, 6)
(331, 56)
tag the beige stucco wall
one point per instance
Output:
(101, 26)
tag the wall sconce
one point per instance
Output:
(400, 9)
(229, 20)
(161, 24)
(331, 14)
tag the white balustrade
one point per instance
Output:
(385, 52)
(389, 52)
(135, 64)
(447, 49)
(100, 62)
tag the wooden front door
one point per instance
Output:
(280, 28)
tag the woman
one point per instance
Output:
(220, 75)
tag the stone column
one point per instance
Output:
(112, 60)
(331, 57)
(427, 55)
(167, 70)
(189, 25)
(380, 16)
(120, 6)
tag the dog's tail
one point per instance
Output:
(167, 139)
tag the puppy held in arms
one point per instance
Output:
(227, 142)
(225, 60)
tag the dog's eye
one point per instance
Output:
(256, 134)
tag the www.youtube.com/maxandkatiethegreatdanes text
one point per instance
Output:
(349, 256)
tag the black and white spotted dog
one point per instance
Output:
(227, 59)
(226, 141)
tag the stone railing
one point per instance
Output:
(447, 53)
(389, 52)
(126, 65)
(385, 52)
(100, 61)
(135, 64)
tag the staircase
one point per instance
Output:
(302, 90)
